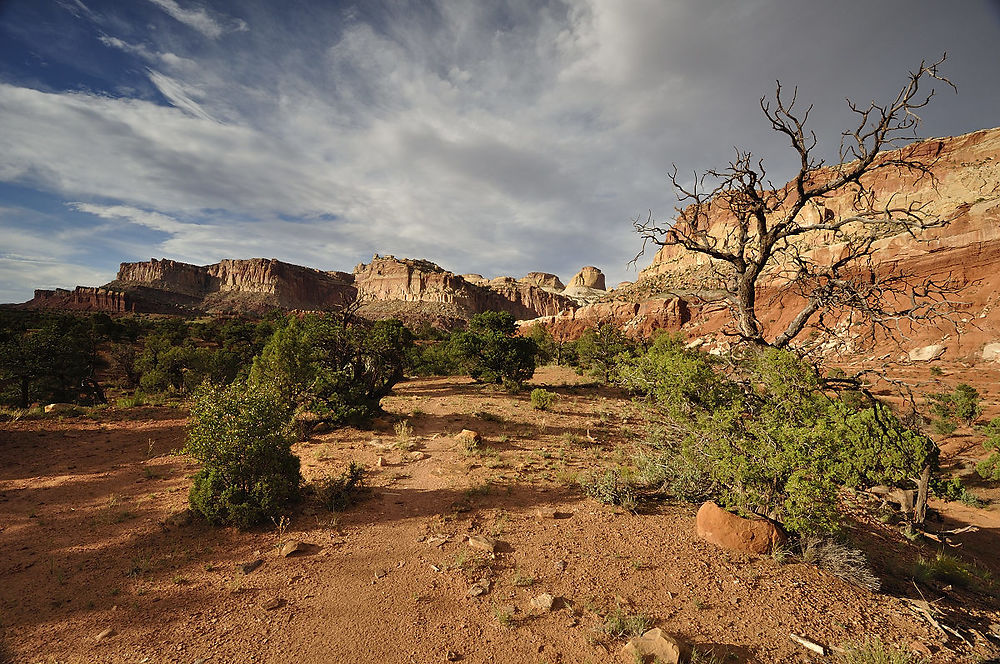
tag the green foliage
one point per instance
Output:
(490, 351)
(337, 493)
(619, 624)
(948, 569)
(767, 437)
(989, 468)
(434, 358)
(241, 434)
(542, 399)
(48, 359)
(338, 372)
(611, 488)
(548, 347)
(600, 349)
(962, 405)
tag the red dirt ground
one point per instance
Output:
(83, 501)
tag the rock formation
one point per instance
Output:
(83, 298)
(588, 277)
(543, 280)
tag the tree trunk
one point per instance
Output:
(920, 508)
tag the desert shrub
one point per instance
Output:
(542, 399)
(491, 352)
(961, 405)
(619, 624)
(338, 492)
(874, 651)
(844, 562)
(600, 349)
(989, 468)
(610, 488)
(768, 436)
(335, 371)
(433, 358)
(955, 489)
(548, 348)
(945, 568)
(242, 437)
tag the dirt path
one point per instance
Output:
(82, 506)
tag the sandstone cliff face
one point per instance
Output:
(588, 277)
(83, 298)
(387, 278)
(637, 320)
(543, 280)
(965, 189)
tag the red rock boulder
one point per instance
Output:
(735, 533)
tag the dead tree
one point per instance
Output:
(755, 234)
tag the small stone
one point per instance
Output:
(482, 543)
(920, 648)
(290, 547)
(656, 646)
(561, 565)
(468, 438)
(106, 634)
(479, 588)
(545, 513)
(273, 603)
(60, 408)
(453, 656)
(545, 602)
(416, 456)
(381, 573)
(246, 568)
(380, 462)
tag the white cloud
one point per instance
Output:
(491, 137)
(197, 19)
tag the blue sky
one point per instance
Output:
(490, 137)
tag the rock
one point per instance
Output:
(588, 277)
(543, 280)
(479, 588)
(416, 456)
(179, 519)
(561, 565)
(920, 648)
(272, 604)
(380, 462)
(735, 533)
(482, 543)
(106, 634)
(927, 353)
(544, 513)
(991, 352)
(453, 656)
(246, 568)
(545, 602)
(290, 547)
(60, 408)
(656, 646)
(468, 438)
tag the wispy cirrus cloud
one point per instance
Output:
(199, 19)
(497, 137)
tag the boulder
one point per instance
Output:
(291, 547)
(545, 602)
(589, 277)
(60, 408)
(735, 533)
(656, 646)
(468, 438)
(482, 543)
(991, 352)
(927, 353)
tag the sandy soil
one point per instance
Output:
(87, 547)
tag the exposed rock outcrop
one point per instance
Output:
(636, 319)
(543, 280)
(82, 298)
(588, 277)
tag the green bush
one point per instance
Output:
(768, 437)
(337, 372)
(600, 349)
(542, 399)
(241, 434)
(989, 468)
(963, 405)
(490, 351)
(611, 488)
(339, 492)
